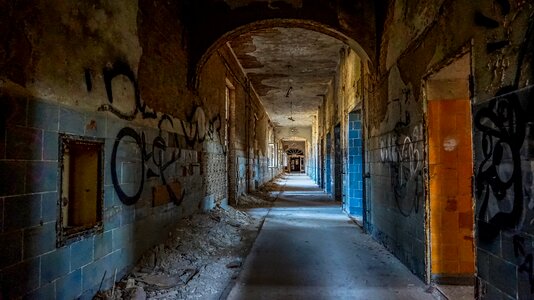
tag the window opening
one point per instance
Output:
(81, 191)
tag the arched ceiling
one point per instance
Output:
(212, 23)
(290, 69)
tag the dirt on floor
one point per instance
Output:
(201, 258)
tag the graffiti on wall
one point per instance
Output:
(401, 152)
(155, 157)
(110, 72)
(198, 127)
(158, 156)
(502, 123)
(400, 149)
(504, 181)
(498, 46)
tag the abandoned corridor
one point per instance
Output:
(120, 119)
(308, 248)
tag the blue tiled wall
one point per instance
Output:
(31, 264)
(355, 186)
(328, 165)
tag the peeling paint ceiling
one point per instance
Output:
(290, 69)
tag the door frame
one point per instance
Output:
(466, 50)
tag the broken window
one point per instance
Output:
(81, 191)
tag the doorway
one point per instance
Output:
(321, 165)
(450, 161)
(328, 163)
(354, 188)
(338, 164)
(229, 132)
(295, 164)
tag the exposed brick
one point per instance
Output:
(39, 240)
(43, 115)
(11, 248)
(81, 253)
(22, 211)
(41, 177)
(69, 286)
(71, 121)
(55, 264)
(21, 278)
(12, 176)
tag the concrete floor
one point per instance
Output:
(309, 249)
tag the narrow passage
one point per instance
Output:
(309, 249)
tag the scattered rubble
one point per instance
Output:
(273, 185)
(199, 260)
(254, 200)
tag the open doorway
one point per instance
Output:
(338, 164)
(354, 188)
(229, 132)
(450, 161)
(328, 165)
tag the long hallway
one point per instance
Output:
(309, 249)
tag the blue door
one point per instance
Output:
(355, 175)
(328, 165)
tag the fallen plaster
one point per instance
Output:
(200, 259)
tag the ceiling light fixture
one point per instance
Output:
(291, 107)
(289, 91)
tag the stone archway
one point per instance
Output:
(210, 25)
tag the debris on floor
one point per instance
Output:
(199, 260)
(252, 200)
(273, 185)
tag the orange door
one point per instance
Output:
(451, 205)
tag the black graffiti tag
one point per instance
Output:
(117, 69)
(198, 128)
(502, 124)
(157, 154)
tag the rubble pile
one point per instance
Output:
(273, 185)
(269, 187)
(198, 261)
(254, 200)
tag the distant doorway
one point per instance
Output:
(450, 161)
(294, 164)
(296, 160)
